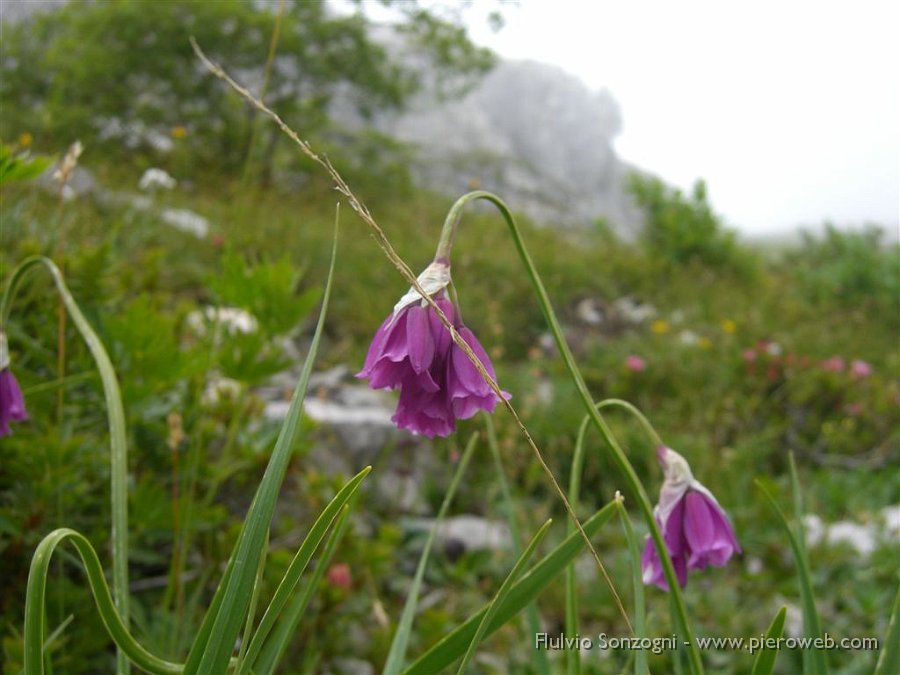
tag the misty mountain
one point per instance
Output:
(530, 132)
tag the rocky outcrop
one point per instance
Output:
(533, 134)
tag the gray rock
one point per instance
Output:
(468, 532)
(533, 134)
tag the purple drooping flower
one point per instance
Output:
(413, 351)
(12, 403)
(695, 528)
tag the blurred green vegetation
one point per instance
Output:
(738, 370)
(749, 355)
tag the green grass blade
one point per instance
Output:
(116, 420)
(211, 655)
(275, 646)
(811, 664)
(816, 657)
(889, 661)
(764, 663)
(397, 652)
(640, 609)
(524, 591)
(573, 656)
(298, 566)
(35, 596)
(254, 600)
(501, 595)
(533, 620)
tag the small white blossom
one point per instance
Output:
(156, 178)
(186, 221)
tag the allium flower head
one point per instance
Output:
(696, 530)
(413, 351)
(12, 403)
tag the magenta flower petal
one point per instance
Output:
(696, 530)
(419, 340)
(375, 348)
(12, 402)
(442, 339)
(423, 412)
(468, 391)
(707, 532)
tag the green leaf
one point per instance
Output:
(22, 166)
(116, 420)
(814, 659)
(889, 661)
(640, 609)
(454, 645)
(501, 595)
(35, 612)
(298, 566)
(764, 663)
(211, 652)
(268, 290)
(286, 628)
(397, 653)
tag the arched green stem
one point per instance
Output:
(112, 619)
(574, 490)
(619, 457)
(115, 414)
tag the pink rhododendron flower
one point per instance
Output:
(413, 351)
(12, 403)
(339, 576)
(834, 365)
(859, 369)
(695, 528)
(635, 364)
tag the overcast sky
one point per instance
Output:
(790, 110)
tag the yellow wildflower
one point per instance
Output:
(660, 326)
(179, 132)
(25, 139)
(729, 326)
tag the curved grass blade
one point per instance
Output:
(116, 420)
(889, 661)
(275, 646)
(764, 663)
(34, 607)
(640, 610)
(298, 566)
(212, 650)
(524, 591)
(811, 628)
(397, 653)
(501, 595)
(539, 660)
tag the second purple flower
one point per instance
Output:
(12, 403)
(413, 351)
(695, 528)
